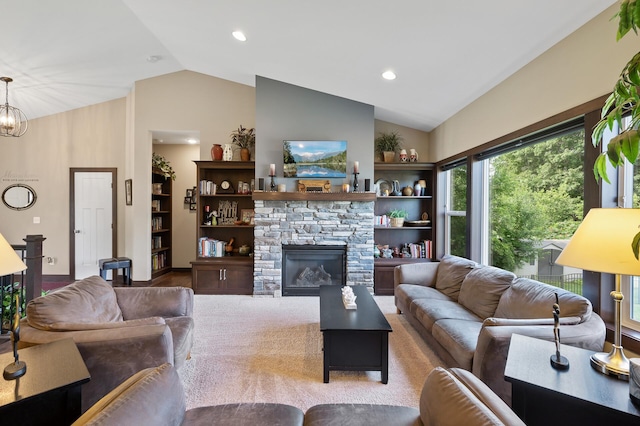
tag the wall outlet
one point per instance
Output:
(51, 260)
(36, 219)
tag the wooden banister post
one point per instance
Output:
(33, 260)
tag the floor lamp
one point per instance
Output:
(602, 243)
(10, 263)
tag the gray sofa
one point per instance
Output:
(118, 330)
(467, 312)
(155, 396)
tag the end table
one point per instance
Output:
(542, 395)
(49, 393)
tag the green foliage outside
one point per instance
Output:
(536, 193)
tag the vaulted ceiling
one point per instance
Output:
(66, 54)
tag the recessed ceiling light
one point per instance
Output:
(389, 75)
(153, 58)
(192, 141)
(239, 35)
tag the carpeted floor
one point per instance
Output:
(250, 349)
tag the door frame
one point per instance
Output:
(72, 216)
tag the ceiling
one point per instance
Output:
(67, 54)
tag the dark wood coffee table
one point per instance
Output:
(353, 339)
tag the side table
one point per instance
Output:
(542, 395)
(49, 393)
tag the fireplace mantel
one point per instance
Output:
(314, 196)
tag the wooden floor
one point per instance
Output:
(173, 279)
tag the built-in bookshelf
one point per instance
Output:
(413, 241)
(161, 191)
(224, 226)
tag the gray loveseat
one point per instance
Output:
(118, 330)
(467, 312)
(155, 396)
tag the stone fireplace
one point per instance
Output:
(347, 225)
(306, 267)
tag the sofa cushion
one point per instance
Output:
(457, 397)
(153, 396)
(91, 300)
(482, 288)
(406, 293)
(451, 273)
(361, 415)
(428, 311)
(459, 338)
(257, 413)
(527, 298)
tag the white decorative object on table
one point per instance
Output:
(348, 298)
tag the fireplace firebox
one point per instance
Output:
(306, 267)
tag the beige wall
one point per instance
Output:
(412, 138)
(183, 226)
(88, 137)
(183, 100)
(580, 68)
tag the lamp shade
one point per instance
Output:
(10, 262)
(602, 242)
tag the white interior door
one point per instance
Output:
(93, 217)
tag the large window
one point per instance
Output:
(629, 196)
(456, 211)
(532, 202)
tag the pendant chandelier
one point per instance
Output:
(13, 122)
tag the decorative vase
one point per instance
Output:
(245, 154)
(227, 154)
(216, 152)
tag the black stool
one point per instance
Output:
(114, 264)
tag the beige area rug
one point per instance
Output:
(250, 349)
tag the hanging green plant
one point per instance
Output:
(624, 101)
(158, 162)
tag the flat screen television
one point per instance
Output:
(315, 159)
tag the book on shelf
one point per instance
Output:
(156, 223)
(210, 247)
(207, 187)
(158, 261)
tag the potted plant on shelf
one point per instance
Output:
(158, 162)
(244, 139)
(387, 144)
(397, 217)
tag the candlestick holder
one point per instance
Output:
(355, 181)
(273, 182)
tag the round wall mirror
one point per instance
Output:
(19, 196)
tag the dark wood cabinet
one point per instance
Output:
(226, 275)
(216, 270)
(418, 228)
(160, 224)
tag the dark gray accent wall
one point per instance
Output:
(288, 112)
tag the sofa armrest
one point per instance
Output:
(416, 273)
(143, 302)
(492, 348)
(111, 355)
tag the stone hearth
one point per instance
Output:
(327, 223)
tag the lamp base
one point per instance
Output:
(614, 363)
(14, 370)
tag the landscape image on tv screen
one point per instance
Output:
(315, 159)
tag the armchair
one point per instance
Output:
(119, 331)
